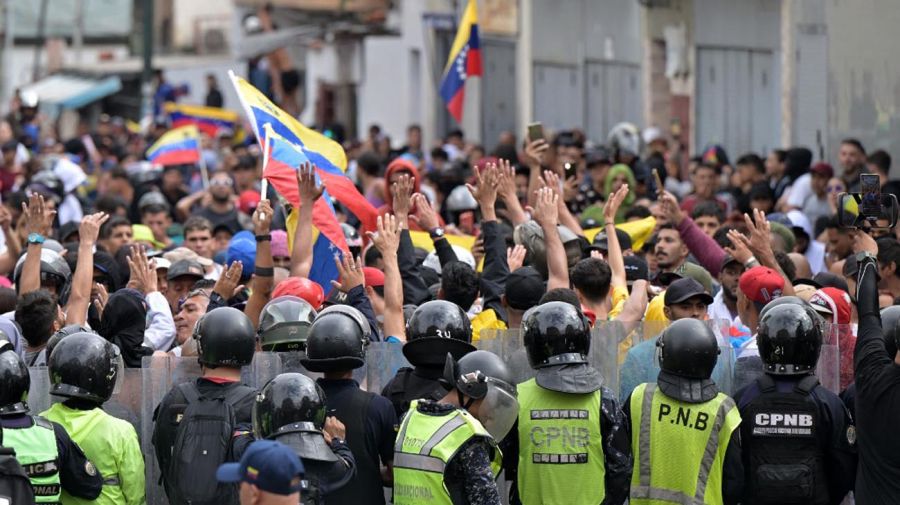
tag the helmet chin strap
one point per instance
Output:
(464, 401)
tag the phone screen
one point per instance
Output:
(570, 170)
(870, 187)
(535, 131)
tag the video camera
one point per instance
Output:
(868, 209)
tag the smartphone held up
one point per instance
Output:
(869, 208)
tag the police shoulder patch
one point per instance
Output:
(851, 435)
(90, 469)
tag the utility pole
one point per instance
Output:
(39, 44)
(6, 74)
(147, 74)
(78, 32)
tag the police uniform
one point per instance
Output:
(685, 436)
(446, 455)
(570, 428)
(413, 383)
(799, 439)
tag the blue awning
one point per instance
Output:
(73, 92)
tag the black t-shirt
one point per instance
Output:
(228, 219)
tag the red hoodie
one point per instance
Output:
(402, 165)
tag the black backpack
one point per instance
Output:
(15, 488)
(202, 443)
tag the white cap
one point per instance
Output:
(462, 254)
(652, 134)
(799, 220)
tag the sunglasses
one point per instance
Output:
(835, 188)
(221, 182)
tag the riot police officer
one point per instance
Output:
(684, 431)
(49, 457)
(84, 368)
(435, 328)
(446, 450)
(291, 409)
(798, 437)
(568, 394)
(201, 417)
(284, 323)
(336, 346)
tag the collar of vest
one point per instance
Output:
(686, 390)
(786, 369)
(299, 427)
(14, 408)
(576, 378)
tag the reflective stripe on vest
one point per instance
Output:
(684, 442)
(425, 444)
(37, 453)
(560, 442)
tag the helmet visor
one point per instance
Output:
(499, 409)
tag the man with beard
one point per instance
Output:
(852, 158)
(724, 305)
(671, 252)
(216, 203)
(191, 311)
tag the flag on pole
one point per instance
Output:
(463, 62)
(209, 120)
(178, 146)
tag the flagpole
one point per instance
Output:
(267, 146)
(204, 173)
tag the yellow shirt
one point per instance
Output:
(619, 297)
(486, 319)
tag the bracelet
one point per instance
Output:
(264, 271)
(264, 238)
(752, 262)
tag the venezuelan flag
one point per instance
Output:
(463, 62)
(178, 146)
(209, 120)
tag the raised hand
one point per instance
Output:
(506, 181)
(551, 181)
(387, 239)
(546, 210)
(143, 272)
(333, 429)
(89, 229)
(425, 215)
(99, 297)
(740, 246)
(671, 208)
(760, 242)
(534, 152)
(229, 283)
(351, 273)
(402, 191)
(515, 257)
(306, 183)
(262, 217)
(38, 216)
(611, 207)
(485, 188)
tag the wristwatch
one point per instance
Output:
(436, 233)
(35, 238)
(264, 238)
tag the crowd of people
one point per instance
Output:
(111, 262)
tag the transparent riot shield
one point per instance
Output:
(610, 342)
(832, 356)
(383, 359)
(507, 344)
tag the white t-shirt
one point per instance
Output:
(800, 190)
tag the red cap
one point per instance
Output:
(823, 168)
(301, 287)
(248, 201)
(761, 284)
(833, 303)
(374, 277)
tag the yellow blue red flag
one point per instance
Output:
(178, 146)
(209, 120)
(463, 62)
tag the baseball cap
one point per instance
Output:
(185, 268)
(183, 253)
(462, 254)
(833, 304)
(729, 259)
(162, 263)
(601, 241)
(804, 291)
(280, 244)
(822, 168)
(374, 277)
(598, 156)
(761, 284)
(636, 269)
(248, 201)
(269, 465)
(801, 223)
(242, 247)
(687, 270)
(152, 198)
(828, 279)
(524, 288)
(143, 233)
(685, 289)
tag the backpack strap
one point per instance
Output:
(806, 385)
(190, 392)
(766, 383)
(43, 423)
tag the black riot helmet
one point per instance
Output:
(16, 382)
(354, 241)
(556, 333)
(782, 300)
(688, 348)
(291, 409)
(284, 324)
(84, 366)
(434, 329)
(337, 340)
(890, 325)
(54, 269)
(225, 337)
(482, 375)
(789, 339)
(64, 332)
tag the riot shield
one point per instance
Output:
(383, 359)
(609, 342)
(508, 345)
(833, 357)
